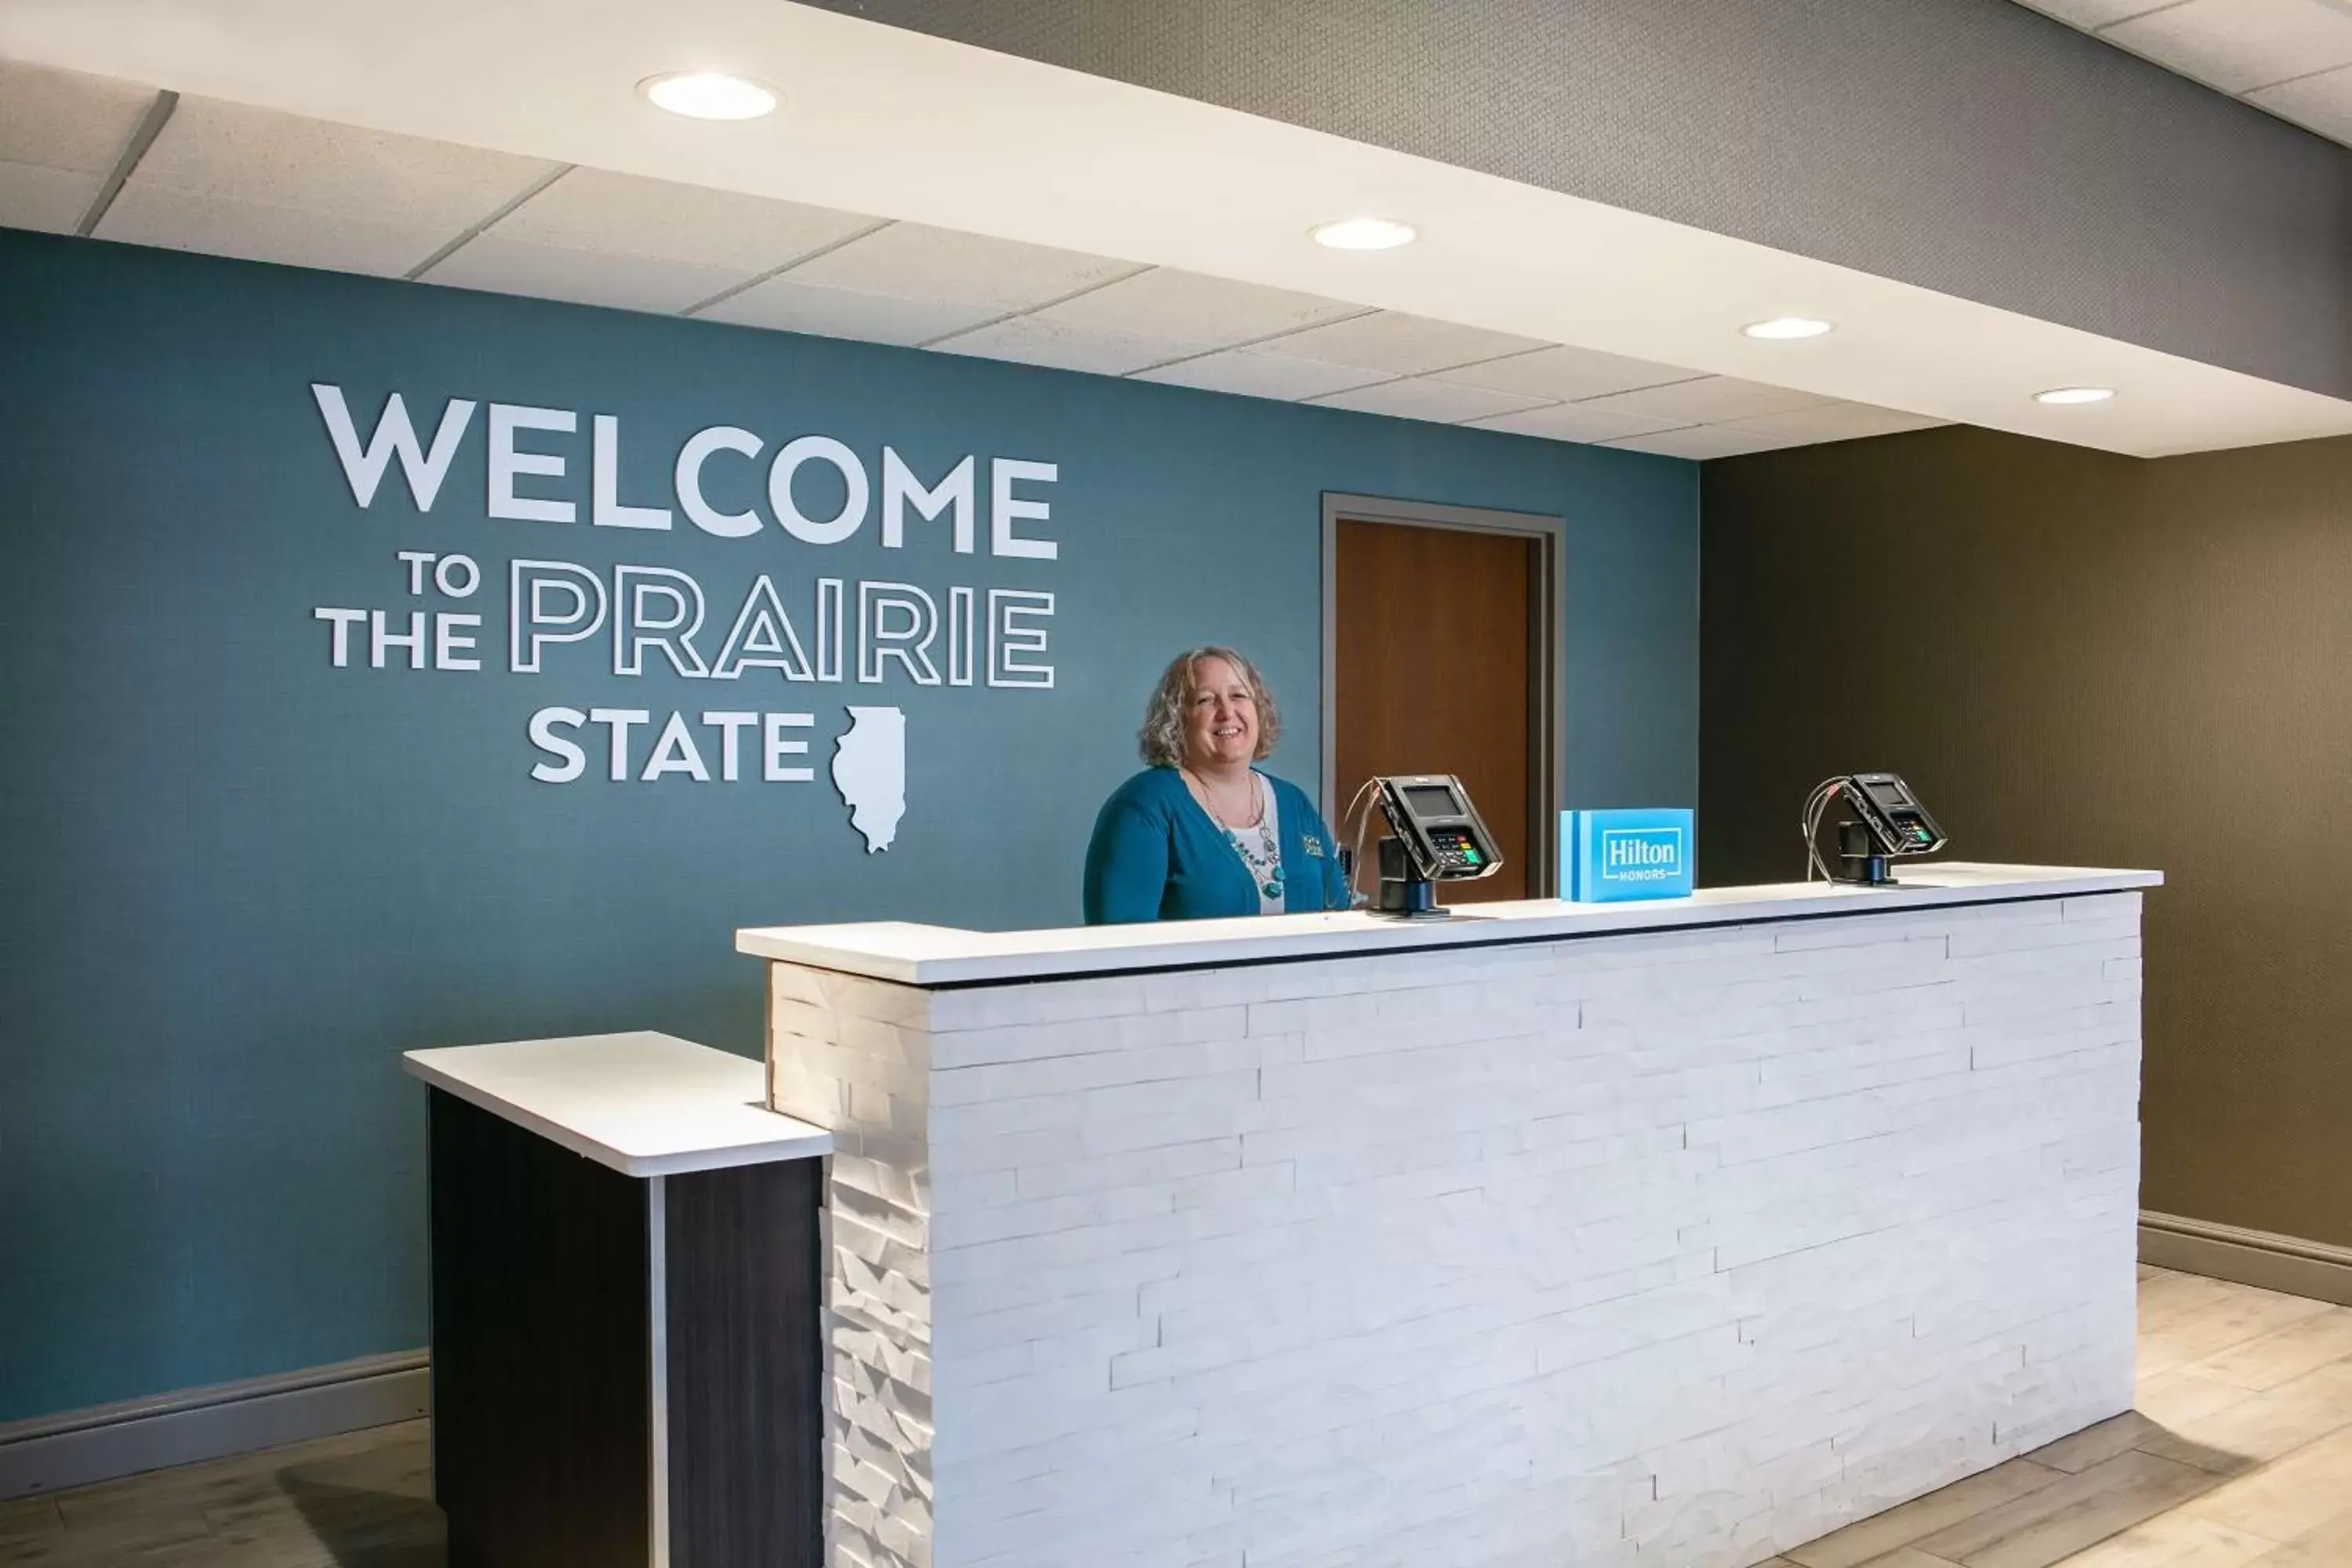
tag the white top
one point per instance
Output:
(1259, 845)
(941, 955)
(645, 1104)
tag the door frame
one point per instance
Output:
(1546, 718)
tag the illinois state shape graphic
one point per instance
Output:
(869, 769)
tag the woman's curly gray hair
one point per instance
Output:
(1162, 739)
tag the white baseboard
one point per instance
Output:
(76, 1447)
(2262, 1257)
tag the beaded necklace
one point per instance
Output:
(1262, 857)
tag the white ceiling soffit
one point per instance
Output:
(61, 138)
(898, 125)
(234, 180)
(2293, 58)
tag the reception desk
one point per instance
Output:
(624, 1308)
(1669, 1233)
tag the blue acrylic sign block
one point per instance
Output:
(1606, 857)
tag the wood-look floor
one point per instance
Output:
(360, 1501)
(2240, 1456)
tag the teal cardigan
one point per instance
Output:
(1157, 856)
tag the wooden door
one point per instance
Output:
(1436, 646)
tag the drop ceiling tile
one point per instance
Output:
(2090, 14)
(506, 266)
(911, 262)
(1398, 344)
(2322, 103)
(1708, 400)
(1213, 312)
(1700, 442)
(1574, 422)
(789, 305)
(1033, 340)
(594, 210)
(1423, 397)
(256, 231)
(2238, 44)
(49, 200)
(1836, 422)
(1567, 372)
(1258, 373)
(228, 153)
(64, 119)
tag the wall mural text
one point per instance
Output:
(534, 613)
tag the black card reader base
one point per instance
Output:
(1404, 894)
(1860, 863)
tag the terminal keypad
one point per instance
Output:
(1456, 850)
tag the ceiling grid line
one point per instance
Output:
(1527, 354)
(150, 125)
(1137, 271)
(2291, 80)
(1645, 386)
(2135, 16)
(475, 231)
(1288, 332)
(1259, 343)
(827, 249)
(1671, 430)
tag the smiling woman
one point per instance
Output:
(1199, 833)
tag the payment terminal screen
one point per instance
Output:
(1431, 799)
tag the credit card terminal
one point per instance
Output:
(1885, 805)
(1888, 824)
(1442, 834)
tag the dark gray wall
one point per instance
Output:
(2081, 660)
(236, 881)
(1969, 146)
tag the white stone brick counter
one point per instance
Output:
(1669, 1233)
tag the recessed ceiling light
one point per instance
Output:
(709, 95)
(2071, 394)
(1781, 329)
(1366, 234)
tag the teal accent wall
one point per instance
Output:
(239, 881)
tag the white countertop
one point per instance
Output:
(645, 1104)
(915, 955)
